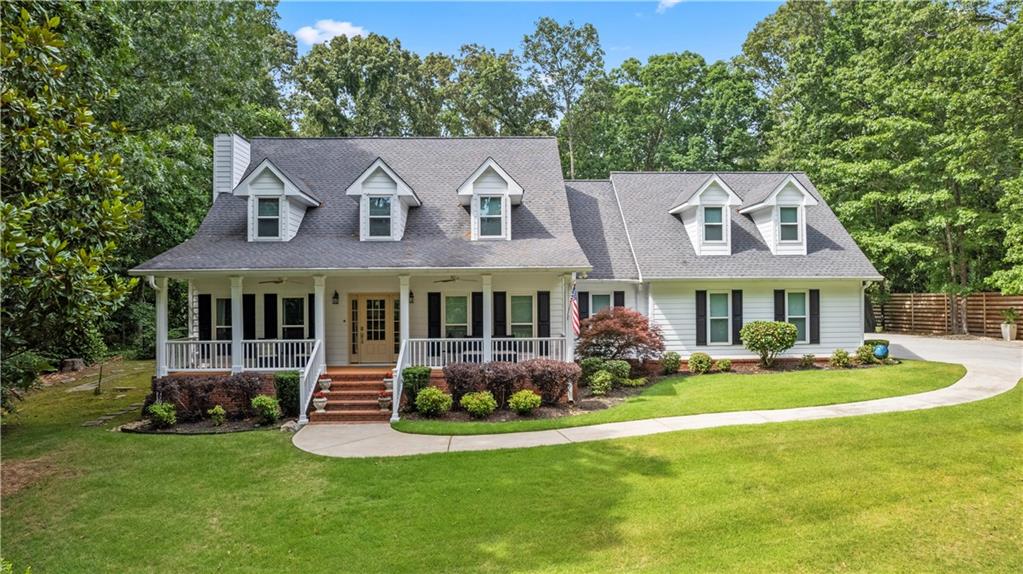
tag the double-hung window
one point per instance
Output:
(293, 318)
(795, 313)
(456, 317)
(789, 221)
(268, 217)
(713, 224)
(491, 216)
(522, 316)
(223, 326)
(379, 216)
(718, 318)
(599, 302)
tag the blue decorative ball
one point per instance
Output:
(881, 352)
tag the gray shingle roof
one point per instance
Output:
(663, 248)
(598, 227)
(436, 233)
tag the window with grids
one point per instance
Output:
(293, 318)
(268, 217)
(456, 317)
(789, 218)
(397, 326)
(713, 224)
(491, 213)
(379, 216)
(376, 319)
(522, 316)
(223, 327)
(599, 302)
(355, 326)
(795, 313)
(718, 318)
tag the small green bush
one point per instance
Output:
(287, 384)
(432, 401)
(267, 408)
(524, 401)
(413, 380)
(590, 365)
(840, 359)
(217, 415)
(163, 415)
(865, 355)
(670, 362)
(807, 361)
(699, 363)
(479, 405)
(601, 383)
(638, 382)
(875, 342)
(619, 369)
(768, 338)
(723, 365)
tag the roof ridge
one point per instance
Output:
(404, 137)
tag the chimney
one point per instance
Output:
(230, 158)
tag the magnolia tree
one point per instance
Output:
(768, 338)
(619, 333)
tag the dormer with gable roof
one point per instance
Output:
(490, 192)
(707, 216)
(781, 217)
(384, 201)
(276, 202)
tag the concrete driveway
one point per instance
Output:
(993, 367)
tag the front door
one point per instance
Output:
(375, 326)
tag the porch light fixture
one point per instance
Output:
(336, 298)
(411, 297)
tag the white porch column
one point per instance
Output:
(488, 318)
(319, 306)
(160, 285)
(404, 318)
(568, 281)
(237, 325)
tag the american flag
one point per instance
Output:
(575, 311)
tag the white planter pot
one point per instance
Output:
(324, 384)
(320, 404)
(1009, 331)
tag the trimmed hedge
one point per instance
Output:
(463, 378)
(524, 401)
(589, 366)
(552, 378)
(670, 362)
(479, 405)
(620, 370)
(699, 363)
(502, 379)
(194, 395)
(768, 338)
(287, 384)
(413, 380)
(432, 401)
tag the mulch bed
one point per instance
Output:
(204, 426)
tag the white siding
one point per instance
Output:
(490, 183)
(673, 309)
(379, 183)
(599, 287)
(230, 158)
(295, 212)
(764, 220)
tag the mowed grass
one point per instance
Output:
(933, 490)
(687, 395)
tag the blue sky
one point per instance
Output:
(627, 29)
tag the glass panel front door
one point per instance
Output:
(373, 319)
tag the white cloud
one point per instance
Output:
(324, 30)
(665, 5)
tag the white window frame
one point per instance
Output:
(723, 224)
(480, 217)
(806, 317)
(217, 326)
(532, 316)
(305, 313)
(468, 313)
(279, 217)
(370, 217)
(610, 301)
(798, 224)
(727, 318)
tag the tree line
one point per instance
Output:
(906, 115)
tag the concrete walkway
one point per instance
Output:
(993, 367)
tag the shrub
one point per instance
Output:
(524, 401)
(723, 365)
(699, 363)
(479, 405)
(217, 415)
(464, 378)
(287, 384)
(670, 362)
(601, 383)
(194, 395)
(266, 408)
(620, 370)
(589, 366)
(501, 379)
(876, 342)
(163, 415)
(552, 378)
(432, 401)
(865, 355)
(840, 359)
(768, 338)
(807, 361)
(638, 382)
(619, 333)
(413, 380)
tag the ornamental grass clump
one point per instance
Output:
(767, 339)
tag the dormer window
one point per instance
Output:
(380, 217)
(706, 214)
(384, 202)
(491, 216)
(489, 192)
(713, 224)
(789, 222)
(780, 216)
(268, 218)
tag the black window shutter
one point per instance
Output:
(815, 316)
(205, 317)
(543, 312)
(736, 316)
(477, 314)
(701, 318)
(500, 315)
(248, 316)
(433, 315)
(619, 298)
(779, 305)
(269, 315)
(312, 316)
(584, 304)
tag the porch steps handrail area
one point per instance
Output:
(398, 382)
(310, 372)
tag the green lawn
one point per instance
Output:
(933, 490)
(731, 392)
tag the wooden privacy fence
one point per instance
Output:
(932, 313)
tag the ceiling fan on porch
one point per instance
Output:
(455, 279)
(280, 280)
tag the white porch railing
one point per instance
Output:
(189, 355)
(277, 354)
(398, 381)
(307, 377)
(516, 350)
(441, 352)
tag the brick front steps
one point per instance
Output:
(352, 397)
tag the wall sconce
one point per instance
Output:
(336, 298)
(411, 297)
